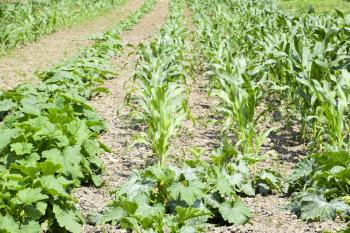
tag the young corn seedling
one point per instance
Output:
(324, 93)
(164, 113)
(162, 95)
(240, 94)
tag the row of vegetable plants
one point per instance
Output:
(49, 138)
(24, 22)
(260, 59)
(168, 196)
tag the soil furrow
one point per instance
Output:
(20, 66)
(199, 132)
(121, 161)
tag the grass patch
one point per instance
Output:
(321, 6)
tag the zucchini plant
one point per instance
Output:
(49, 139)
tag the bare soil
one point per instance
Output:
(20, 66)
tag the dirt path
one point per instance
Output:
(21, 65)
(120, 163)
(199, 133)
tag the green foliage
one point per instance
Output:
(266, 181)
(301, 60)
(346, 230)
(235, 78)
(160, 97)
(320, 6)
(259, 57)
(26, 22)
(321, 186)
(166, 198)
(179, 199)
(49, 139)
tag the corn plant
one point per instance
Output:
(163, 110)
(240, 94)
(304, 62)
(24, 22)
(161, 92)
(233, 78)
(324, 91)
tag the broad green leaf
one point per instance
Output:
(235, 213)
(185, 214)
(223, 184)
(31, 227)
(5, 137)
(30, 195)
(21, 148)
(53, 186)
(8, 224)
(32, 212)
(54, 156)
(113, 214)
(79, 131)
(315, 207)
(6, 105)
(68, 219)
(71, 162)
(189, 191)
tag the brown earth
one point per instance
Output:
(20, 66)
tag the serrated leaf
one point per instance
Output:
(68, 219)
(54, 156)
(185, 214)
(162, 175)
(32, 212)
(247, 188)
(235, 213)
(223, 184)
(71, 162)
(68, 160)
(41, 206)
(128, 205)
(146, 210)
(79, 131)
(303, 169)
(30, 227)
(30, 195)
(5, 137)
(189, 193)
(8, 224)
(53, 186)
(30, 106)
(113, 214)
(6, 105)
(21, 148)
(315, 207)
